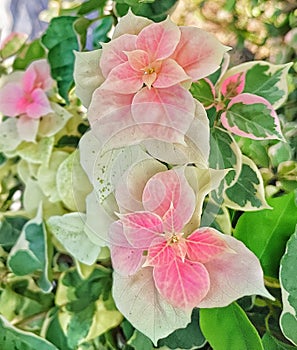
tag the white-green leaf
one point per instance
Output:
(69, 230)
(30, 253)
(9, 137)
(72, 183)
(12, 338)
(288, 266)
(248, 191)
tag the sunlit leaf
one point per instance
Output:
(229, 328)
(266, 232)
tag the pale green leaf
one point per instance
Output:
(69, 230)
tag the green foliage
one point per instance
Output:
(266, 232)
(12, 338)
(30, 52)
(271, 343)
(254, 119)
(60, 39)
(157, 10)
(229, 328)
(288, 267)
(202, 91)
(10, 230)
(186, 338)
(261, 82)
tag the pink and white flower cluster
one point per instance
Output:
(135, 89)
(24, 95)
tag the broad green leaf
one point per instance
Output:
(30, 253)
(157, 10)
(248, 191)
(60, 39)
(268, 81)
(264, 79)
(252, 116)
(12, 338)
(225, 154)
(90, 5)
(190, 337)
(10, 230)
(288, 320)
(271, 343)
(203, 91)
(266, 232)
(12, 44)
(140, 341)
(37, 153)
(72, 183)
(229, 328)
(69, 230)
(103, 26)
(29, 53)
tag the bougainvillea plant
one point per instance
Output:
(147, 188)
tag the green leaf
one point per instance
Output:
(83, 301)
(225, 154)
(30, 253)
(31, 52)
(253, 120)
(81, 26)
(157, 11)
(140, 341)
(12, 44)
(280, 152)
(60, 39)
(271, 343)
(90, 5)
(248, 191)
(262, 81)
(266, 232)
(12, 338)
(186, 338)
(288, 266)
(255, 149)
(53, 331)
(229, 328)
(10, 230)
(203, 92)
(101, 30)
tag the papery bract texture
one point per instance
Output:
(186, 268)
(145, 70)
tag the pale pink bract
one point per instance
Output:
(149, 74)
(27, 96)
(185, 267)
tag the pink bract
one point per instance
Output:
(184, 266)
(27, 97)
(150, 67)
